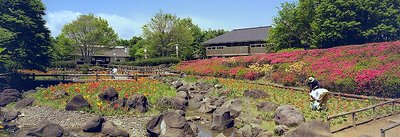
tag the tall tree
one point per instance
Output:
(164, 32)
(23, 35)
(89, 34)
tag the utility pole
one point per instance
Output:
(145, 52)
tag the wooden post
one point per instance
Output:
(393, 108)
(329, 123)
(353, 115)
(97, 77)
(33, 76)
(373, 113)
(63, 77)
(382, 133)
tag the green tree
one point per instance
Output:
(63, 49)
(23, 35)
(89, 34)
(327, 23)
(164, 32)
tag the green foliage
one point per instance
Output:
(326, 23)
(23, 34)
(89, 34)
(164, 32)
(63, 49)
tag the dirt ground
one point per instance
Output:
(372, 128)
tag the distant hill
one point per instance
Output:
(368, 69)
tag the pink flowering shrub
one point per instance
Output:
(369, 69)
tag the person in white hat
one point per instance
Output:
(319, 96)
(313, 83)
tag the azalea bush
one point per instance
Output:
(369, 69)
(152, 89)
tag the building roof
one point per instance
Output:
(241, 35)
(119, 51)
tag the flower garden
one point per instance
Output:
(152, 89)
(369, 69)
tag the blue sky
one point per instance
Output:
(128, 16)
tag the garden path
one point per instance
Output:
(372, 128)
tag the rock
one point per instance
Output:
(24, 103)
(94, 125)
(217, 86)
(110, 94)
(288, 115)
(267, 106)
(265, 134)
(9, 116)
(196, 97)
(245, 131)
(109, 129)
(169, 124)
(184, 88)
(195, 129)
(22, 133)
(180, 112)
(220, 135)
(48, 130)
(119, 102)
(314, 128)
(183, 95)
(220, 101)
(222, 117)
(206, 108)
(280, 129)
(255, 94)
(138, 102)
(8, 96)
(60, 94)
(76, 103)
(182, 75)
(179, 103)
(176, 84)
(203, 86)
(9, 127)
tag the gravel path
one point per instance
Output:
(73, 121)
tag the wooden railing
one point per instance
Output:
(383, 130)
(65, 77)
(374, 113)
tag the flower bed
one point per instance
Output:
(152, 89)
(369, 69)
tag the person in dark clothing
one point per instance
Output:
(313, 83)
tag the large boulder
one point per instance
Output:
(76, 103)
(48, 130)
(176, 84)
(314, 128)
(255, 94)
(170, 124)
(249, 131)
(24, 103)
(223, 117)
(206, 107)
(138, 102)
(119, 102)
(9, 116)
(179, 103)
(183, 95)
(109, 129)
(94, 125)
(110, 94)
(288, 115)
(8, 96)
(267, 106)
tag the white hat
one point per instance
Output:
(311, 79)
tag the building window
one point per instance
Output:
(118, 60)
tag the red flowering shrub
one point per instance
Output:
(369, 69)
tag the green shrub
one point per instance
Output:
(156, 61)
(63, 64)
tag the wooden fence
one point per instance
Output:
(383, 130)
(97, 77)
(374, 114)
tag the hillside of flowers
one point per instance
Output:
(369, 69)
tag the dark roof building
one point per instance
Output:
(247, 41)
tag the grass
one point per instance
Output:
(152, 89)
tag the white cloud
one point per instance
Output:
(125, 27)
(56, 20)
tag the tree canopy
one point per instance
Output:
(326, 23)
(89, 34)
(23, 35)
